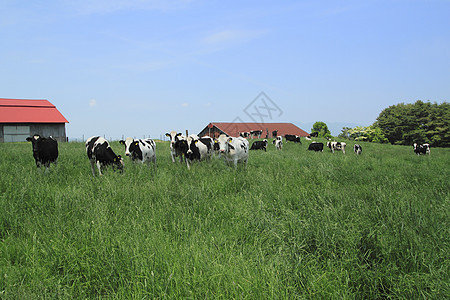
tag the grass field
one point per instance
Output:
(294, 224)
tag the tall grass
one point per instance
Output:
(294, 224)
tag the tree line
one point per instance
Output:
(402, 124)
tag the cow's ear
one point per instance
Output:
(168, 134)
(29, 139)
(196, 142)
(122, 142)
(137, 143)
(178, 134)
(230, 140)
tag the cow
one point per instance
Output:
(100, 153)
(245, 134)
(178, 145)
(141, 150)
(292, 138)
(336, 146)
(234, 149)
(278, 142)
(274, 133)
(357, 149)
(314, 134)
(259, 145)
(256, 132)
(45, 150)
(316, 146)
(421, 148)
(198, 148)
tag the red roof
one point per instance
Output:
(29, 111)
(233, 129)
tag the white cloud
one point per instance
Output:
(92, 103)
(185, 104)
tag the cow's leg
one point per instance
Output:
(187, 163)
(99, 167)
(92, 167)
(172, 156)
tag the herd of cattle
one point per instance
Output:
(186, 148)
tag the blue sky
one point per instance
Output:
(145, 67)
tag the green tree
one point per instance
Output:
(322, 129)
(421, 122)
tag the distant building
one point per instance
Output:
(20, 119)
(233, 129)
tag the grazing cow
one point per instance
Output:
(421, 148)
(140, 150)
(178, 145)
(357, 148)
(100, 153)
(336, 146)
(278, 142)
(235, 149)
(45, 150)
(259, 145)
(256, 132)
(315, 146)
(314, 134)
(292, 138)
(198, 148)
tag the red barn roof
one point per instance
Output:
(29, 111)
(233, 129)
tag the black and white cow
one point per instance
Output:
(336, 146)
(256, 132)
(140, 150)
(234, 149)
(260, 145)
(198, 148)
(278, 142)
(244, 134)
(45, 150)
(314, 134)
(316, 146)
(178, 145)
(357, 149)
(292, 138)
(421, 148)
(100, 153)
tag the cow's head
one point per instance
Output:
(173, 135)
(130, 145)
(118, 163)
(35, 141)
(225, 143)
(191, 144)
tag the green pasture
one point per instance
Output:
(294, 224)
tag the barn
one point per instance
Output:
(233, 129)
(20, 118)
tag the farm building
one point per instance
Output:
(233, 129)
(20, 119)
